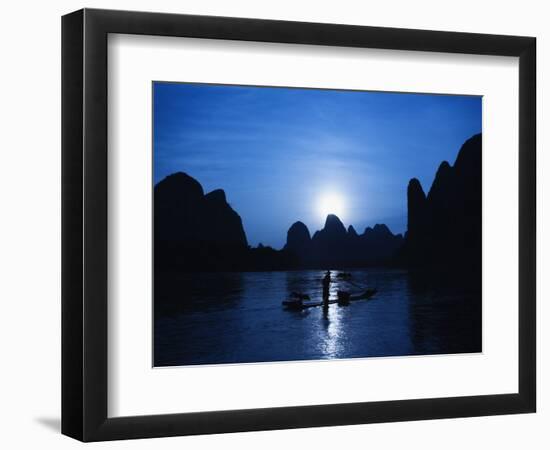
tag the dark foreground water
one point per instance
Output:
(238, 318)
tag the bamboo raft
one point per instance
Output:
(344, 299)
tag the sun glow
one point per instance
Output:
(331, 203)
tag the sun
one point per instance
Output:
(331, 203)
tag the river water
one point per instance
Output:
(215, 318)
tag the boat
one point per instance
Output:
(295, 304)
(344, 298)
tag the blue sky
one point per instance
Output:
(277, 151)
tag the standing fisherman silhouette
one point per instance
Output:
(326, 289)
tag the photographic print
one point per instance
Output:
(314, 224)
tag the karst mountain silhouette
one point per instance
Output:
(194, 231)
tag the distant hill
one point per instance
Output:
(334, 246)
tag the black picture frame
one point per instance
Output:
(84, 224)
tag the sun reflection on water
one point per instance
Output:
(332, 332)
